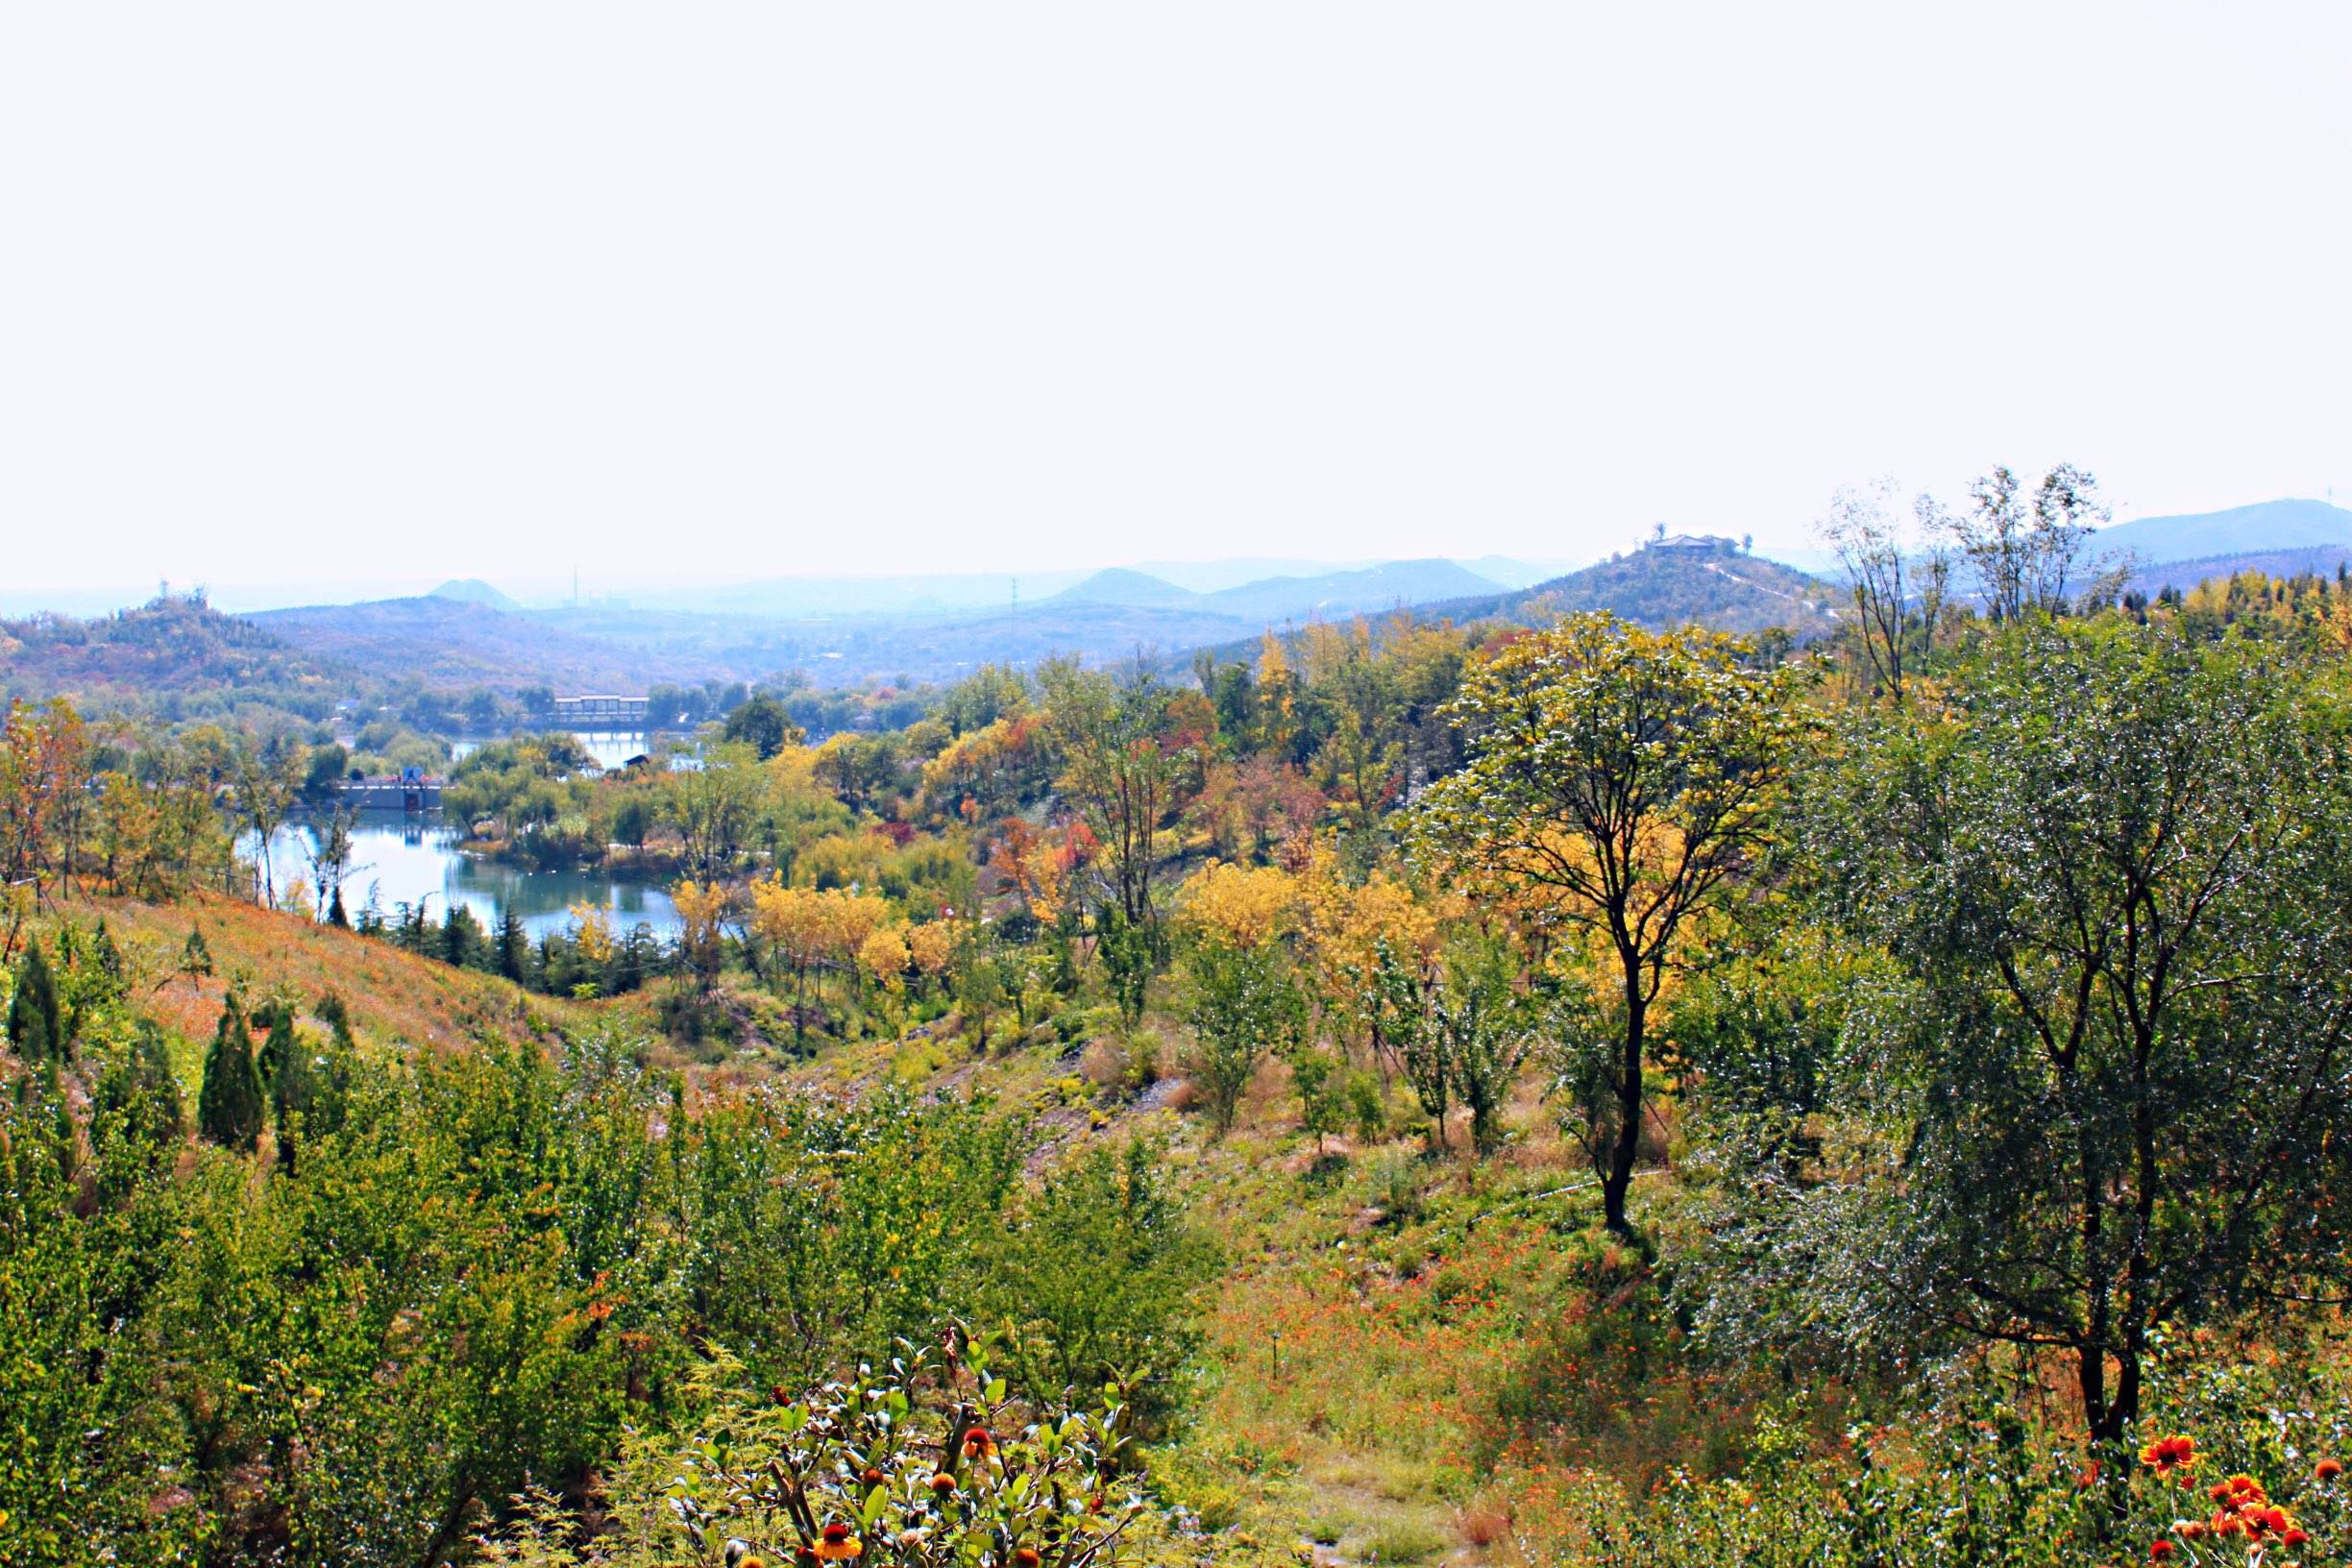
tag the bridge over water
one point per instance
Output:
(409, 791)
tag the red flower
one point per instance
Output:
(2167, 1455)
(2327, 1470)
(2158, 1550)
(942, 1484)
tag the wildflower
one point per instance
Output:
(2159, 1550)
(1026, 1558)
(2267, 1523)
(2167, 1455)
(2191, 1530)
(837, 1545)
(978, 1444)
(2327, 1470)
(872, 1477)
(2292, 1536)
(942, 1484)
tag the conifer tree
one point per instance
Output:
(35, 1031)
(513, 947)
(151, 1071)
(228, 1109)
(285, 1071)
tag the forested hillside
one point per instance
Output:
(1583, 1093)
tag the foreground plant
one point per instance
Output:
(927, 1463)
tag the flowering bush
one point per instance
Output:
(928, 1461)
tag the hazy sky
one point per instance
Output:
(332, 291)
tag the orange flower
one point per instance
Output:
(2267, 1523)
(2158, 1550)
(978, 1444)
(1026, 1558)
(837, 1545)
(2327, 1470)
(2167, 1455)
(942, 1484)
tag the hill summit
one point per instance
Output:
(474, 591)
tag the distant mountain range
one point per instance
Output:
(2265, 530)
(2196, 537)
(1362, 592)
(468, 633)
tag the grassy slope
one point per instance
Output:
(395, 997)
(1406, 1355)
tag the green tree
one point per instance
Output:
(1090, 1284)
(35, 1028)
(1123, 773)
(1627, 778)
(1241, 1002)
(763, 724)
(230, 1109)
(2109, 899)
(511, 948)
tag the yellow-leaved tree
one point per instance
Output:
(1632, 778)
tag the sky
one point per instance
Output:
(345, 294)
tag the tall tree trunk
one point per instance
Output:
(1620, 1178)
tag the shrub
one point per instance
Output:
(925, 1463)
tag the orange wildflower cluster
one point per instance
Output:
(2243, 1511)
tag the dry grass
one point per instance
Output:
(395, 997)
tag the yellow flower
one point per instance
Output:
(837, 1545)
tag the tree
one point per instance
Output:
(36, 1026)
(2025, 556)
(511, 948)
(713, 807)
(285, 1068)
(1123, 773)
(229, 1106)
(1881, 583)
(763, 724)
(267, 782)
(1628, 778)
(330, 861)
(1089, 1282)
(2115, 891)
(1241, 1003)
(1486, 1029)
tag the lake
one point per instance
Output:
(403, 858)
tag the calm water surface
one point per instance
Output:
(611, 747)
(399, 859)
